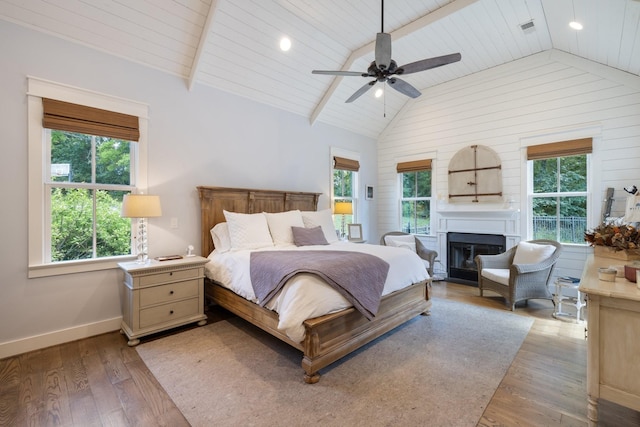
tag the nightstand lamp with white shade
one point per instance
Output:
(141, 206)
(343, 208)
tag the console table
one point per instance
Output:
(613, 355)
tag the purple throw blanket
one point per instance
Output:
(357, 276)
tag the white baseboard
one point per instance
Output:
(36, 342)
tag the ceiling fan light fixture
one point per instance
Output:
(378, 93)
(285, 44)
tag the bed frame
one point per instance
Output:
(327, 338)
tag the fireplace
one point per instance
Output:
(462, 249)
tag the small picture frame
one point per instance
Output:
(368, 192)
(355, 232)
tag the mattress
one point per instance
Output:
(307, 296)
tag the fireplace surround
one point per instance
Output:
(462, 249)
(475, 220)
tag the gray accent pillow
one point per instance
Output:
(308, 236)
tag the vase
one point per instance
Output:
(609, 252)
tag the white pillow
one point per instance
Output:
(280, 226)
(248, 231)
(532, 253)
(402, 241)
(324, 220)
(221, 238)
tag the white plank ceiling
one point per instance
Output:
(233, 45)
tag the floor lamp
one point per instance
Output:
(141, 206)
(343, 208)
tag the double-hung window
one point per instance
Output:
(345, 177)
(558, 196)
(415, 203)
(83, 159)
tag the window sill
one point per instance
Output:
(71, 267)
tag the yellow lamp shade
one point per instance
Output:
(343, 208)
(141, 206)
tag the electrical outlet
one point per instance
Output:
(174, 223)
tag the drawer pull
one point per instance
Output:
(170, 292)
(171, 273)
(171, 312)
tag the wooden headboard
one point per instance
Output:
(213, 200)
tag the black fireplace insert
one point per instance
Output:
(462, 248)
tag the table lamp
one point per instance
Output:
(141, 206)
(343, 208)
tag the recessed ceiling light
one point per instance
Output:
(379, 93)
(575, 25)
(285, 44)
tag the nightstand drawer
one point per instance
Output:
(168, 312)
(169, 292)
(171, 276)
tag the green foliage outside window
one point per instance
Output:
(416, 202)
(85, 219)
(559, 202)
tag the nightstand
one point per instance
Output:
(161, 295)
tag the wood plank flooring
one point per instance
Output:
(100, 381)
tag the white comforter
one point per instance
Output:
(306, 296)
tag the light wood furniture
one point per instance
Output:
(161, 295)
(327, 338)
(613, 355)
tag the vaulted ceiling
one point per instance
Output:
(233, 45)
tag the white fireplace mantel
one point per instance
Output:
(477, 220)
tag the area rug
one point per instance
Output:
(439, 370)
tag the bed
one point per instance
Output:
(326, 338)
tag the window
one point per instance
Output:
(345, 173)
(559, 190)
(84, 190)
(86, 151)
(415, 203)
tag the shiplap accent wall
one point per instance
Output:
(552, 95)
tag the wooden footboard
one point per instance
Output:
(330, 337)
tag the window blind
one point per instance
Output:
(346, 164)
(560, 149)
(70, 117)
(413, 166)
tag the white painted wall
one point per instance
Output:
(198, 137)
(542, 98)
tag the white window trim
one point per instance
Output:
(38, 89)
(340, 152)
(399, 190)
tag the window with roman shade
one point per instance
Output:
(345, 164)
(415, 199)
(86, 151)
(558, 190)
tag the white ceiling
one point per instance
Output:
(233, 45)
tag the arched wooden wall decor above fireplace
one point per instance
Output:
(475, 175)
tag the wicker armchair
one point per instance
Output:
(428, 255)
(517, 282)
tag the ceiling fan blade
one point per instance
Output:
(383, 50)
(427, 64)
(404, 87)
(361, 91)
(340, 73)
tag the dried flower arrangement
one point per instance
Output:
(619, 237)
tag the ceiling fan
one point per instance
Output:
(383, 68)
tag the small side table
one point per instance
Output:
(578, 302)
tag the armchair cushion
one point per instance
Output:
(408, 241)
(499, 275)
(532, 253)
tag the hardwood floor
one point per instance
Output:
(100, 381)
